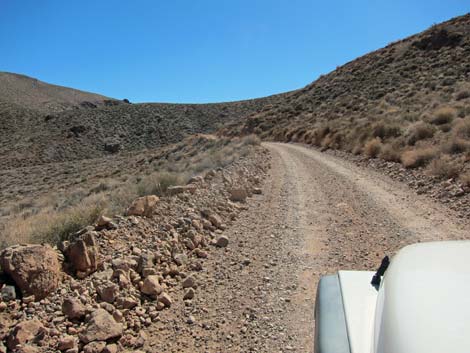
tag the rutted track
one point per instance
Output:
(317, 214)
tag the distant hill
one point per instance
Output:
(42, 123)
(31, 93)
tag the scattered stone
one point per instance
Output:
(222, 241)
(34, 268)
(215, 220)
(94, 347)
(83, 254)
(110, 348)
(165, 299)
(143, 206)
(191, 320)
(108, 291)
(238, 194)
(180, 259)
(151, 286)
(189, 282)
(67, 342)
(25, 332)
(257, 191)
(8, 293)
(189, 294)
(73, 309)
(101, 327)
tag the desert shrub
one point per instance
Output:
(443, 167)
(417, 158)
(465, 179)
(390, 153)
(252, 140)
(419, 131)
(385, 130)
(54, 225)
(445, 127)
(373, 147)
(462, 129)
(442, 116)
(456, 145)
(462, 94)
(158, 183)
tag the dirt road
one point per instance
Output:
(317, 214)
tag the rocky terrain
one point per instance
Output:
(106, 287)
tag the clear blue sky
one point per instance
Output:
(201, 50)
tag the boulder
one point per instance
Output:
(83, 254)
(101, 327)
(73, 308)
(143, 206)
(35, 269)
(238, 194)
(151, 286)
(25, 332)
(108, 291)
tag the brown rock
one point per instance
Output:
(215, 220)
(189, 282)
(143, 206)
(238, 194)
(83, 254)
(126, 302)
(103, 222)
(257, 191)
(151, 286)
(94, 347)
(189, 294)
(101, 327)
(67, 342)
(110, 348)
(34, 268)
(108, 291)
(165, 299)
(24, 332)
(222, 241)
(73, 308)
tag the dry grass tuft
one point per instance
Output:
(373, 147)
(390, 153)
(443, 115)
(444, 167)
(418, 157)
(462, 128)
(419, 131)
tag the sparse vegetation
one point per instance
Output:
(54, 217)
(443, 115)
(419, 131)
(373, 147)
(418, 157)
(444, 167)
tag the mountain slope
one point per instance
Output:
(33, 94)
(408, 102)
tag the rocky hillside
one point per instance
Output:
(408, 102)
(103, 290)
(29, 136)
(33, 94)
